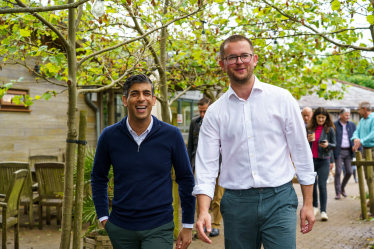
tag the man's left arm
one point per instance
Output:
(369, 137)
(185, 179)
(302, 158)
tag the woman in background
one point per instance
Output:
(322, 139)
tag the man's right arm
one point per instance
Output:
(206, 170)
(99, 178)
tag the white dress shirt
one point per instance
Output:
(345, 138)
(256, 137)
(139, 139)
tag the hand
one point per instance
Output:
(103, 223)
(204, 220)
(357, 143)
(310, 138)
(331, 166)
(324, 145)
(307, 214)
(184, 238)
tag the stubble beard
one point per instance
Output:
(235, 79)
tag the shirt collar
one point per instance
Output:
(132, 131)
(257, 85)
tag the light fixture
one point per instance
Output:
(203, 37)
(98, 8)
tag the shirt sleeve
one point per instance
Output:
(99, 177)
(356, 134)
(369, 137)
(207, 156)
(297, 142)
(184, 178)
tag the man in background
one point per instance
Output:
(193, 138)
(343, 151)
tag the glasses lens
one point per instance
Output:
(246, 57)
(232, 59)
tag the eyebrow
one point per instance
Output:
(137, 91)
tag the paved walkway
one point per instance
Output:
(342, 230)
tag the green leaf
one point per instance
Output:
(28, 102)
(37, 97)
(335, 5)
(47, 95)
(20, 79)
(24, 32)
(323, 86)
(5, 41)
(370, 19)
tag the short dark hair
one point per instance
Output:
(139, 78)
(234, 38)
(204, 101)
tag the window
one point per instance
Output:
(7, 104)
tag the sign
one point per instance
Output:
(180, 118)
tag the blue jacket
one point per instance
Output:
(351, 127)
(142, 176)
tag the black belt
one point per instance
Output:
(345, 148)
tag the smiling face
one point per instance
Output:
(139, 102)
(239, 73)
(320, 119)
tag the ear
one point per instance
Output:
(222, 64)
(154, 100)
(255, 59)
(124, 100)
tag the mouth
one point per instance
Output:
(141, 109)
(240, 70)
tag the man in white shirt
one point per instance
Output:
(257, 126)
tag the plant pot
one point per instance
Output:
(99, 242)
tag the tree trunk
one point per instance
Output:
(77, 228)
(165, 113)
(72, 134)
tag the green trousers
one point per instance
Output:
(260, 216)
(156, 238)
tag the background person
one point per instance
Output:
(193, 138)
(321, 124)
(343, 152)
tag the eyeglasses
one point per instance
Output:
(233, 59)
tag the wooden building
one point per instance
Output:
(354, 95)
(39, 129)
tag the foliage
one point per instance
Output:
(362, 80)
(89, 212)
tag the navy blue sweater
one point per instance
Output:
(142, 176)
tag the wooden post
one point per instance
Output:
(369, 170)
(175, 191)
(361, 184)
(77, 229)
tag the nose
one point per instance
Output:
(141, 97)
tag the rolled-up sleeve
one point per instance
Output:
(297, 142)
(207, 157)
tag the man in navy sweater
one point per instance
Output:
(142, 151)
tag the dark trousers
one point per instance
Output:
(346, 158)
(157, 238)
(260, 216)
(322, 167)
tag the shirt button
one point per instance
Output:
(251, 155)
(254, 173)
(249, 137)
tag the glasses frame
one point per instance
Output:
(237, 56)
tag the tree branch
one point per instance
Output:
(113, 81)
(79, 16)
(316, 31)
(26, 9)
(179, 95)
(49, 25)
(134, 39)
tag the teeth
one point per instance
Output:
(140, 107)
